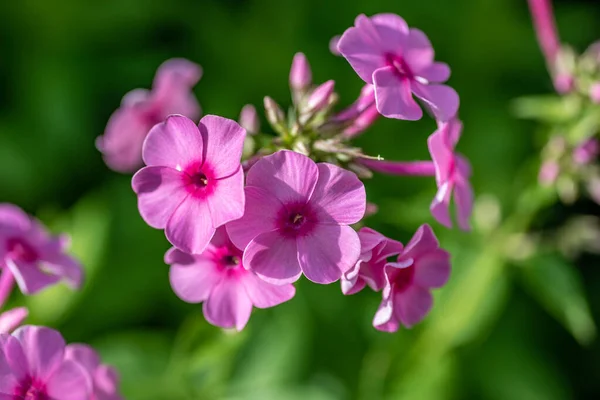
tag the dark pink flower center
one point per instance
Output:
(198, 180)
(228, 257)
(403, 278)
(401, 68)
(230, 261)
(30, 389)
(297, 220)
(19, 250)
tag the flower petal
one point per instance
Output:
(339, 196)
(273, 257)
(442, 100)
(393, 96)
(422, 242)
(84, 355)
(172, 86)
(264, 294)
(43, 348)
(361, 49)
(463, 199)
(174, 143)
(440, 206)
(328, 252)
(190, 227)
(228, 305)
(441, 154)
(226, 203)
(106, 383)
(11, 319)
(13, 217)
(223, 144)
(435, 73)
(433, 269)
(16, 360)
(160, 191)
(413, 305)
(418, 52)
(65, 267)
(69, 381)
(351, 282)
(287, 175)
(385, 319)
(260, 215)
(193, 283)
(30, 278)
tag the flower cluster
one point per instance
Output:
(249, 213)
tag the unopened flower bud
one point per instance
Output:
(586, 152)
(548, 173)
(274, 113)
(300, 73)
(249, 119)
(320, 97)
(595, 92)
(564, 83)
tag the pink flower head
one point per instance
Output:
(218, 278)
(375, 250)
(297, 219)
(194, 182)
(11, 319)
(33, 366)
(399, 62)
(141, 109)
(361, 114)
(452, 172)
(104, 379)
(406, 295)
(31, 255)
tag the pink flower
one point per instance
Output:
(249, 119)
(586, 151)
(141, 109)
(361, 114)
(297, 219)
(218, 278)
(104, 379)
(406, 296)
(399, 62)
(11, 319)
(375, 250)
(33, 257)
(194, 182)
(300, 73)
(33, 366)
(452, 172)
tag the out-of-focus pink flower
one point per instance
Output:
(375, 250)
(249, 119)
(586, 152)
(193, 182)
(548, 172)
(452, 172)
(300, 73)
(33, 366)
(406, 295)
(218, 278)
(11, 319)
(104, 379)
(399, 62)
(297, 219)
(361, 114)
(33, 257)
(141, 109)
(595, 92)
(564, 83)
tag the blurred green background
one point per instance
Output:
(64, 66)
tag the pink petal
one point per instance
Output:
(273, 257)
(176, 256)
(397, 28)
(224, 142)
(351, 281)
(433, 269)
(369, 239)
(463, 198)
(193, 283)
(393, 96)
(43, 348)
(226, 203)
(12, 216)
(263, 294)
(190, 227)
(69, 382)
(30, 278)
(135, 97)
(440, 206)
(441, 154)
(172, 86)
(364, 55)
(385, 319)
(339, 196)
(65, 267)
(442, 100)
(228, 305)
(160, 191)
(16, 360)
(435, 73)
(418, 53)
(260, 215)
(287, 175)
(328, 252)
(422, 242)
(413, 305)
(106, 382)
(174, 143)
(84, 355)
(185, 71)
(11, 319)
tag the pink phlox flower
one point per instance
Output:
(193, 182)
(399, 62)
(33, 367)
(12, 319)
(141, 109)
(452, 173)
(361, 114)
(34, 257)
(297, 219)
(104, 378)
(407, 295)
(375, 251)
(218, 278)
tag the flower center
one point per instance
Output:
(230, 261)
(404, 278)
(198, 180)
(30, 389)
(20, 250)
(296, 220)
(401, 68)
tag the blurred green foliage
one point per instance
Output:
(65, 65)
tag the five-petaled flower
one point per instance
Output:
(31, 255)
(407, 299)
(193, 182)
(297, 219)
(399, 62)
(141, 109)
(218, 278)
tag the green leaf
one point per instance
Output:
(557, 286)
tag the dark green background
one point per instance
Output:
(64, 66)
